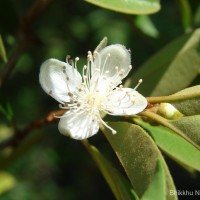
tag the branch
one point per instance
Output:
(20, 135)
(25, 36)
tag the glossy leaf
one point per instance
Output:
(129, 6)
(120, 187)
(174, 145)
(136, 151)
(158, 184)
(191, 104)
(171, 69)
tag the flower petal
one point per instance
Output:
(125, 101)
(111, 64)
(58, 79)
(78, 125)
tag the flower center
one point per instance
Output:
(94, 100)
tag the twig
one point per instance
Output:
(25, 36)
(20, 135)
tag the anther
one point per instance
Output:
(114, 132)
(85, 66)
(70, 94)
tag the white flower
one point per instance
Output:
(97, 90)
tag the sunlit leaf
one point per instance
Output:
(7, 182)
(129, 6)
(136, 151)
(120, 187)
(172, 144)
(172, 68)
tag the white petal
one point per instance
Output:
(58, 79)
(78, 125)
(113, 63)
(125, 101)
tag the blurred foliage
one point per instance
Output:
(55, 167)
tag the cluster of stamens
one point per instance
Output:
(88, 98)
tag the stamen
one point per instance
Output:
(97, 56)
(76, 60)
(106, 125)
(67, 59)
(102, 71)
(139, 82)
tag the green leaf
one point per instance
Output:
(129, 6)
(145, 24)
(190, 100)
(158, 184)
(171, 69)
(120, 187)
(2, 51)
(169, 182)
(190, 126)
(168, 141)
(7, 111)
(7, 182)
(186, 14)
(136, 151)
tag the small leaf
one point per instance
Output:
(176, 66)
(168, 141)
(158, 184)
(190, 126)
(2, 51)
(190, 105)
(120, 187)
(136, 151)
(129, 6)
(7, 182)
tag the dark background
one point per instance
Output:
(55, 167)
